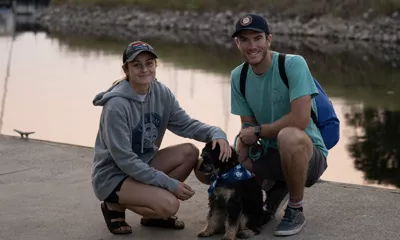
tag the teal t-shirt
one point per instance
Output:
(268, 98)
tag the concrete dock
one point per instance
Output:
(45, 194)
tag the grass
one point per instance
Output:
(305, 8)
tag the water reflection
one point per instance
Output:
(374, 144)
(54, 77)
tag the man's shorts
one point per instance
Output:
(269, 167)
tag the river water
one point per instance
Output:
(48, 81)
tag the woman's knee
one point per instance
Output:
(157, 201)
(167, 207)
(162, 208)
(190, 152)
(189, 155)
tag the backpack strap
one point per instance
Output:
(282, 72)
(243, 76)
(281, 66)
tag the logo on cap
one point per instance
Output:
(246, 20)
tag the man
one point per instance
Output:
(294, 150)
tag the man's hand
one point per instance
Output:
(242, 149)
(247, 136)
(225, 149)
(183, 191)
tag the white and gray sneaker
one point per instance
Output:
(292, 223)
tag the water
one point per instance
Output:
(53, 78)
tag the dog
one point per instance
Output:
(235, 197)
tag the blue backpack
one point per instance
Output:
(327, 121)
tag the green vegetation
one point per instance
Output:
(304, 8)
(343, 75)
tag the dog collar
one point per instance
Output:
(236, 174)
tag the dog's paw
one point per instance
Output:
(246, 234)
(228, 238)
(204, 233)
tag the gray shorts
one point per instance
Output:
(269, 167)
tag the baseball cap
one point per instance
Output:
(134, 49)
(251, 22)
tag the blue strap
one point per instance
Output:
(236, 174)
(282, 73)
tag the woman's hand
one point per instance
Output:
(225, 150)
(183, 191)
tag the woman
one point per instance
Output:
(129, 170)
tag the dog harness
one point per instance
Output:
(236, 174)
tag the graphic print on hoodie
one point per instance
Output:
(131, 131)
(151, 128)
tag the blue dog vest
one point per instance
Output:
(236, 174)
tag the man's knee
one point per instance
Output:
(294, 142)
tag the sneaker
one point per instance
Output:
(292, 223)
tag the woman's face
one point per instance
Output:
(142, 70)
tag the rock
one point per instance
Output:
(382, 29)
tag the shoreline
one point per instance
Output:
(57, 22)
(82, 18)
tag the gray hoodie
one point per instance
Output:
(131, 131)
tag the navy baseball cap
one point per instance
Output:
(251, 22)
(134, 49)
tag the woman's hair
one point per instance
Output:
(118, 80)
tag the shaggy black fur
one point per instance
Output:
(235, 209)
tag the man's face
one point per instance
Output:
(253, 45)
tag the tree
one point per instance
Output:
(376, 151)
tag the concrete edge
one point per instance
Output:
(39, 141)
(359, 187)
(337, 184)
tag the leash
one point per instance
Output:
(256, 150)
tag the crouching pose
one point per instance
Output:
(129, 169)
(275, 96)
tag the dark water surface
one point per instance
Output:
(54, 76)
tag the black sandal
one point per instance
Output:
(171, 222)
(115, 227)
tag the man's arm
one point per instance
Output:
(302, 90)
(240, 107)
(299, 116)
(248, 119)
(241, 148)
